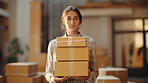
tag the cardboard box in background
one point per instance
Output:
(43, 79)
(18, 79)
(1, 79)
(71, 41)
(40, 59)
(35, 27)
(121, 73)
(100, 52)
(78, 53)
(21, 69)
(107, 79)
(103, 61)
(77, 68)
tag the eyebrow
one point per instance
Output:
(70, 16)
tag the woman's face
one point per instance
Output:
(72, 21)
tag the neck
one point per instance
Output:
(72, 33)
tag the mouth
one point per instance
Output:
(73, 26)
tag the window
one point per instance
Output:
(130, 43)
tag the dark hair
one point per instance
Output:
(65, 13)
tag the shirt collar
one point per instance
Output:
(78, 35)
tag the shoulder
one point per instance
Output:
(52, 43)
(88, 38)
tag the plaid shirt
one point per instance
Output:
(51, 58)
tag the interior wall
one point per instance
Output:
(97, 27)
(140, 12)
(100, 29)
(22, 28)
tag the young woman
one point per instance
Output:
(71, 20)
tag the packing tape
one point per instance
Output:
(71, 65)
(72, 53)
(104, 81)
(69, 41)
(119, 80)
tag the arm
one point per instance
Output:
(93, 69)
(49, 72)
(49, 65)
(93, 63)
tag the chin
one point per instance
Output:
(73, 30)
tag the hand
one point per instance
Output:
(60, 79)
(64, 78)
(82, 77)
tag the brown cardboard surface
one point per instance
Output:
(43, 79)
(1, 79)
(121, 73)
(40, 59)
(100, 52)
(78, 68)
(71, 41)
(103, 61)
(35, 27)
(78, 53)
(18, 79)
(21, 69)
(107, 79)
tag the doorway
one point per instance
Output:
(130, 45)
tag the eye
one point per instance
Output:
(76, 18)
(68, 18)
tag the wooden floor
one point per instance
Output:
(138, 80)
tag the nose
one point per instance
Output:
(72, 21)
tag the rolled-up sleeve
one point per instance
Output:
(49, 65)
(93, 63)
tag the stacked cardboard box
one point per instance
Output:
(1, 79)
(102, 59)
(72, 56)
(121, 73)
(43, 79)
(22, 72)
(107, 79)
(36, 39)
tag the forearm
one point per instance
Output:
(49, 77)
(92, 77)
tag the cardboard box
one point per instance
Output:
(100, 52)
(103, 61)
(1, 79)
(43, 79)
(78, 68)
(71, 41)
(121, 73)
(72, 53)
(18, 79)
(107, 79)
(40, 59)
(35, 27)
(21, 69)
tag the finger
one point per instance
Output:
(76, 77)
(72, 77)
(66, 77)
(56, 79)
(53, 72)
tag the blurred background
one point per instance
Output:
(119, 27)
